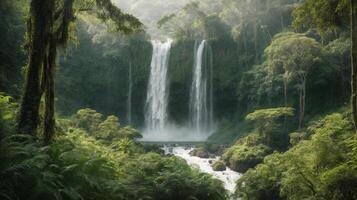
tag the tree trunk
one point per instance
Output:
(40, 10)
(300, 107)
(302, 103)
(130, 93)
(285, 101)
(285, 92)
(354, 61)
(49, 119)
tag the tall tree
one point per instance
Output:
(354, 60)
(294, 54)
(49, 30)
(38, 29)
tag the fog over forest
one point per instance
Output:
(151, 11)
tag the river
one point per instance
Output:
(228, 177)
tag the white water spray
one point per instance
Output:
(157, 93)
(201, 96)
(228, 176)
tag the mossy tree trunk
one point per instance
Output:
(49, 119)
(40, 12)
(354, 61)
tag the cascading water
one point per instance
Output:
(129, 94)
(157, 93)
(201, 96)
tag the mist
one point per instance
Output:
(151, 11)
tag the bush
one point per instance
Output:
(263, 182)
(109, 129)
(242, 157)
(246, 153)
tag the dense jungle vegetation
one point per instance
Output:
(284, 91)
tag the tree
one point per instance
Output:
(328, 17)
(38, 31)
(354, 60)
(295, 54)
(48, 30)
(88, 119)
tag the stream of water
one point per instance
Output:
(228, 177)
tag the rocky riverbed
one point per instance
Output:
(227, 176)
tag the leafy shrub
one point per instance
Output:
(7, 113)
(109, 129)
(266, 122)
(263, 182)
(245, 154)
(296, 137)
(88, 119)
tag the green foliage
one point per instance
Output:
(109, 129)
(100, 58)
(262, 182)
(245, 154)
(77, 166)
(294, 56)
(171, 178)
(319, 168)
(266, 120)
(293, 52)
(88, 119)
(8, 108)
(12, 56)
(328, 17)
(192, 22)
(296, 137)
(270, 114)
(106, 10)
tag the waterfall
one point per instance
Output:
(157, 93)
(129, 94)
(201, 95)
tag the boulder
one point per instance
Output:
(218, 166)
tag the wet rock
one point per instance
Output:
(187, 147)
(218, 166)
(200, 152)
(170, 150)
